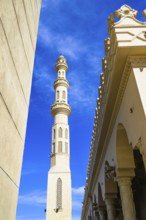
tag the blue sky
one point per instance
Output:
(76, 29)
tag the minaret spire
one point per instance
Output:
(59, 176)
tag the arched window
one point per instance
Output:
(59, 194)
(66, 148)
(64, 95)
(60, 146)
(57, 95)
(60, 132)
(66, 133)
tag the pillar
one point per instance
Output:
(126, 193)
(110, 206)
(102, 213)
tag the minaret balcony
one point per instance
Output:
(60, 107)
(61, 82)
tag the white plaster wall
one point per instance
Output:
(65, 213)
(18, 31)
(60, 119)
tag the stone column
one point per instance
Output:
(110, 205)
(102, 213)
(126, 193)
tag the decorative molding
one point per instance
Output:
(110, 172)
(61, 82)
(125, 11)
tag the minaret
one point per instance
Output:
(59, 205)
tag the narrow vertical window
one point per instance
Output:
(53, 148)
(59, 194)
(54, 134)
(66, 148)
(60, 147)
(66, 133)
(60, 132)
(57, 94)
(63, 95)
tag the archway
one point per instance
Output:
(139, 185)
(125, 172)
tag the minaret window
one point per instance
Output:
(64, 95)
(66, 148)
(60, 132)
(53, 148)
(63, 73)
(60, 146)
(57, 95)
(54, 134)
(66, 133)
(59, 194)
(59, 73)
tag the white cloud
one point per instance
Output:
(70, 46)
(78, 191)
(34, 198)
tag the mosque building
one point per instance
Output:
(116, 179)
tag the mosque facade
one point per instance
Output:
(116, 181)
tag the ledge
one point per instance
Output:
(60, 108)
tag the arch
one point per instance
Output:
(59, 194)
(66, 133)
(60, 132)
(124, 153)
(139, 185)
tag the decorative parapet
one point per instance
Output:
(126, 11)
(125, 33)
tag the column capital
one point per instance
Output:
(124, 181)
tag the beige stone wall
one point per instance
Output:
(18, 31)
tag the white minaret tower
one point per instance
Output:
(59, 205)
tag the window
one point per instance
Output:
(66, 148)
(60, 147)
(54, 133)
(63, 73)
(53, 148)
(66, 133)
(59, 194)
(57, 94)
(64, 95)
(60, 132)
